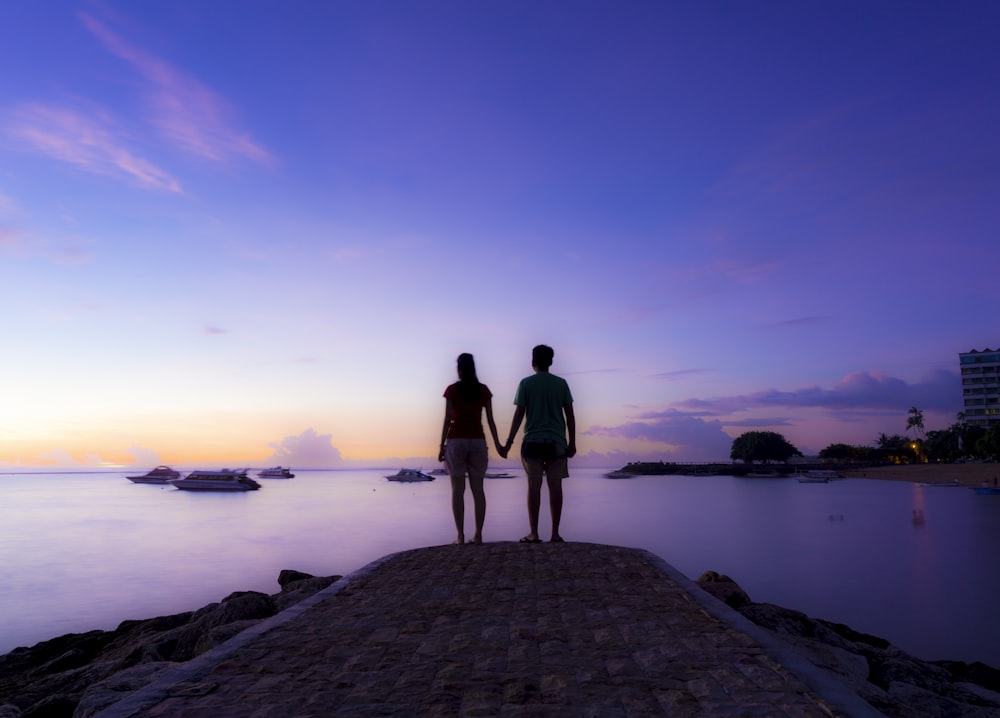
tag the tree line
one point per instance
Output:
(960, 441)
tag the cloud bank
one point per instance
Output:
(307, 450)
(693, 429)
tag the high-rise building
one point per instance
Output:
(981, 386)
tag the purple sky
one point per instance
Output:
(252, 232)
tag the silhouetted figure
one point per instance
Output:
(544, 401)
(463, 444)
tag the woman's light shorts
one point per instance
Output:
(466, 456)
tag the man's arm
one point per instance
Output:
(571, 430)
(515, 424)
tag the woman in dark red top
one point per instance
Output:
(463, 443)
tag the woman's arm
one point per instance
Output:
(444, 429)
(493, 425)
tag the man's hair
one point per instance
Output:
(541, 356)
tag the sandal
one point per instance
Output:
(528, 539)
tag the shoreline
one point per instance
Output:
(969, 475)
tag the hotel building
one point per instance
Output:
(981, 386)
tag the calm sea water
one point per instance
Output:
(86, 551)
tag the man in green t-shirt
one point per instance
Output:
(544, 401)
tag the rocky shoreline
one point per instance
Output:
(78, 675)
(890, 680)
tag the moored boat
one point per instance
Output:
(276, 472)
(222, 480)
(410, 475)
(159, 475)
(498, 475)
(817, 476)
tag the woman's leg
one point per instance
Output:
(458, 505)
(478, 462)
(479, 498)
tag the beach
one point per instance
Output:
(971, 475)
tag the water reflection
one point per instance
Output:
(83, 552)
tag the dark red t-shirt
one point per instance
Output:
(466, 416)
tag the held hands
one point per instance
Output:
(505, 449)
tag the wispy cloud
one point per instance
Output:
(938, 391)
(9, 238)
(188, 114)
(680, 374)
(213, 331)
(89, 142)
(798, 322)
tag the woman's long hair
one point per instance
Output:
(468, 382)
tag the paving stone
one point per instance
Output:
(500, 629)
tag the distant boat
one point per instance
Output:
(817, 476)
(619, 474)
(438, 472)
(498, 475)
(276, 472)
(159, 475)
(410, 475)
(763, 475)
(222, 480)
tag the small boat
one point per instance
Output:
(817, 476)
(619, 474)
(410, 475)
(438, 472)
(276, 472)
(222, 480)
(498, 475)
(159, 475)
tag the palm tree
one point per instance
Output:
(915, 421)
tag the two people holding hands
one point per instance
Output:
(544, 403)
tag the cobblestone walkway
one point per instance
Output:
(502, 629)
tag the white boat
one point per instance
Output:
(159, 475)
(410, 475)
(276, 472)
(817, 476)
(222, 480)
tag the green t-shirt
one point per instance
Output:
(543, 396)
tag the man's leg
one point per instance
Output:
(555, 503)
(534, 504)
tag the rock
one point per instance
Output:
(49, 678)
(54, 706)
(292, 593)
(289, 575)
(892, 681)
(113, 689)
(723, 588)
